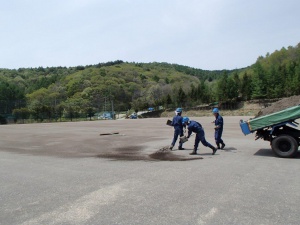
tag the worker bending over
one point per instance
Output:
(196, 127)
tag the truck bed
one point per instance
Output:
(282, 116)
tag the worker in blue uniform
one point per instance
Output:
(218, 128)
(194, 126)
(178, 128)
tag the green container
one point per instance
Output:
(282, 116)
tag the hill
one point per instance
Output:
(60, 92)
(72, 92)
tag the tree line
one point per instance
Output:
(61, 92)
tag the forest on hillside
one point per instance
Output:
(56, 92)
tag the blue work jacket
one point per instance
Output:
(195, 127)
(219, 122)
(177, 122)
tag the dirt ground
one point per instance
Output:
(141, 139)
(253, 108)
(280, 105)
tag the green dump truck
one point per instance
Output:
(279, 128)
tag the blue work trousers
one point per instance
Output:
(200, 136)
(218, 136)
(177, 132)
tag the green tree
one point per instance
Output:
(181, 98)
(167, 101)
(22, 113)
(193, 93)
(90, 111)
(257, 90)
(246, 87)
(75, 106)
(232, 89)
(222, 88)
(237, 82)
(260, 82)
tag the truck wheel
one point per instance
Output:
(285, 146)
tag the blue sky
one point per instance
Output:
(204, 34)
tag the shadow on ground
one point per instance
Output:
(267, 152)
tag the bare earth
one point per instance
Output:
(67, 173)
(280, 105)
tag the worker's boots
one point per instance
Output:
(218, 146)
(223, 145)
(194, 152)
(214, 150)
(171, 147)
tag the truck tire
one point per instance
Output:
(285, 146)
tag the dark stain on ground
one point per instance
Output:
(126, 153)
(135, 153)
(129, 153)
(169, 156)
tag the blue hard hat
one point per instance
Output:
(215, 110)
(179, 110)
(185, 120)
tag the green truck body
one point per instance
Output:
(279, 128)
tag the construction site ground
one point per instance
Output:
(67, 173)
